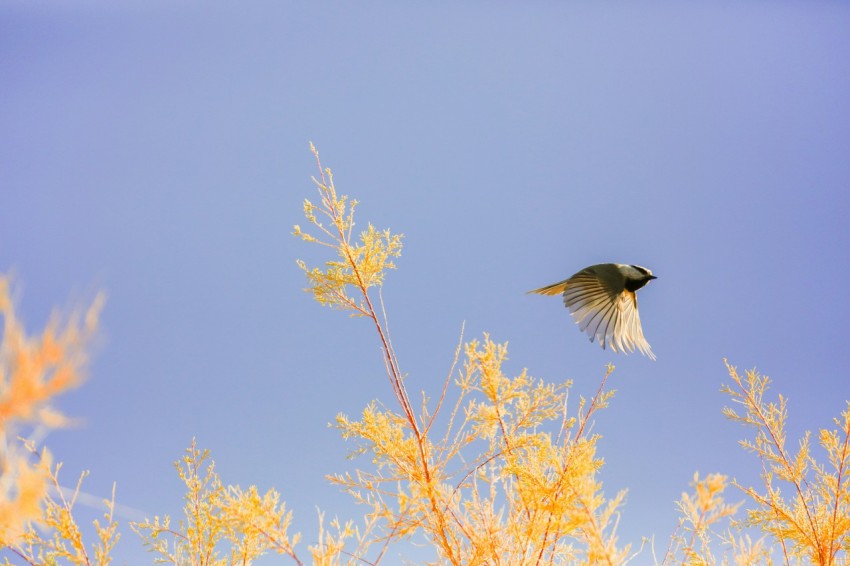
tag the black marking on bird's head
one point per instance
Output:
(644, 271)
(633, 284)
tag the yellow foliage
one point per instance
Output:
(22, 502)
(359, 266)
(59, 537)
(499, 469)
(243, 524)
(813, 522)
(701, 511)
(497, 486)
(33, 371)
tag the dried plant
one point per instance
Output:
(512, 478)
(496, 469)
(221, 525)
(36, 517)
(697, 537)
(811, 521)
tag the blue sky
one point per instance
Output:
(160, 153)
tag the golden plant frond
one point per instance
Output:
(360, 265)
(513, 477)
(34, 523)
(330, 548)
(746, 552)
(256, 523)
(33, 370)
(813, 522)
(218, 520)
(107, 533)
(498, 489)
(56, 537)
(700, 512)
(25, 488)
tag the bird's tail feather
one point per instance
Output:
(553, 289)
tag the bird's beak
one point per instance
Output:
(652, 277)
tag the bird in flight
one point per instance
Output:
(603, 303)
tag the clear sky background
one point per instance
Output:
(160, 153)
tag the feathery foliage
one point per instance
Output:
(242, 524)
(696, 537)
(497, 469)
(497, 485)
(359, 266)
(36, 514)
(813, 522)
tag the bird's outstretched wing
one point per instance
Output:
(628, 332)
(603, 308)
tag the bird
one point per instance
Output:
(602, 300)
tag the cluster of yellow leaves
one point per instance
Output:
(813, 523)
(360, 266)
(528, 497)
(56, 535)
(36, 521)
(242, 523)
(34, 370)
(346, 282)
(507, 475)
(702, 510)
(513, 476)
(495, 487)
(693, 541)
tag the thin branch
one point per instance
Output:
(447, 380)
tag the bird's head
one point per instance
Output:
(636, 272)
(636, 276)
